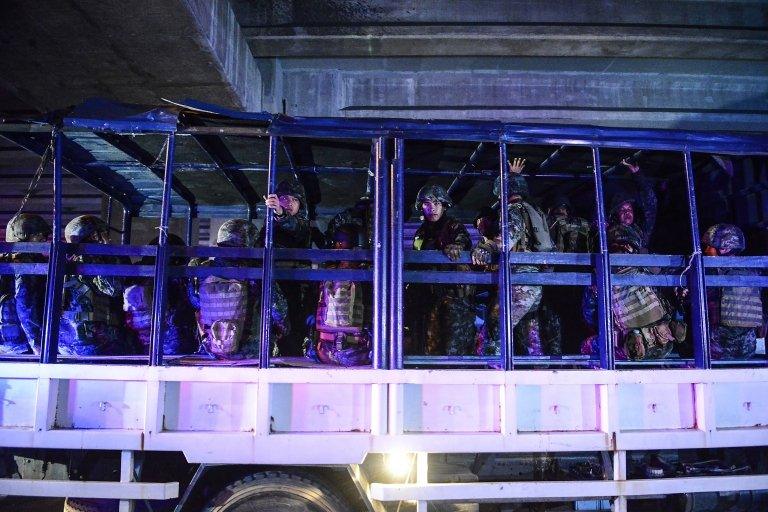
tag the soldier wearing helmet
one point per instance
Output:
(22, 296)
(180, 334)
(92, 313)
(292, 230)
(635, 211)
(734, 312)
(447, 315)
(229, 309)
(528, 232)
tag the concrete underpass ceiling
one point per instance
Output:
(684, 63)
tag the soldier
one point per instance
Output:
(229, 310)
(180, 335)
(361, 216)
(341, 317)
(22, 296)
(528, 232)
(92, 315)
(636, 212)
(292, 230)
(570, 234)
(641, 316)
(735, 312)
(447, 308)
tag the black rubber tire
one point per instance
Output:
(276, 490)
(90, 505)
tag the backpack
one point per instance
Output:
(540, 241)
(223, 308)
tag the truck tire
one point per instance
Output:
(277, 490)
(90, 505)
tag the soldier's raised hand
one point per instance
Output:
(516, 165)
(272, 202)
(453, 251)
(633, 168)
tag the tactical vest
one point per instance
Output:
(223, 310)
(87, 304)
(635, 306)
(741, 307)
(571, 234)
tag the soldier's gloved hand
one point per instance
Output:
(481, 256)
(453, 251)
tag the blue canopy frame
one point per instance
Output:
(388, 138)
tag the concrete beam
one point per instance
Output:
(508, 40)
(662, 13)
(57, 53)
(618, 92)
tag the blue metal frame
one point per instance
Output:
(160, 294)
(268, 262)
(698, 289)
(397, 302)
(506, 327)
(55, 283)
(381, 261)
(387, 253)
(603, 273)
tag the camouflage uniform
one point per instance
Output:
(293, 231)
(92, 314)
(734, 312)
(641, 316)
(361, 216)
(22, 297)
(241, 233)
(570, 234)
(525, 298)
(180, 333)
(447, 312)
(645, 204)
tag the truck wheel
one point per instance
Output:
(275, 490)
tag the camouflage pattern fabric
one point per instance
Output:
(12, 337)
(361, 216)
(737, 305)
(728, 343)
(29, 292)
(80, 228)
(180, 336)
(92, 316)
(571, 234)
(223, 304)
(525, 300)
(444, 313)
(250, 341)
(645, 204)
(22, 227)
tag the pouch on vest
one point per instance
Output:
(635, 306)
(10, 327)
(137, 304)
(542, 241)
(223, 305)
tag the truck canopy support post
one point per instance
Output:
(603, 274)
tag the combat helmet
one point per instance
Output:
(82, 227)
(725, 237)
(292, 188)
(25, 225)
(236, 233)
(618, 199)
(433, 193)
(517, 185)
